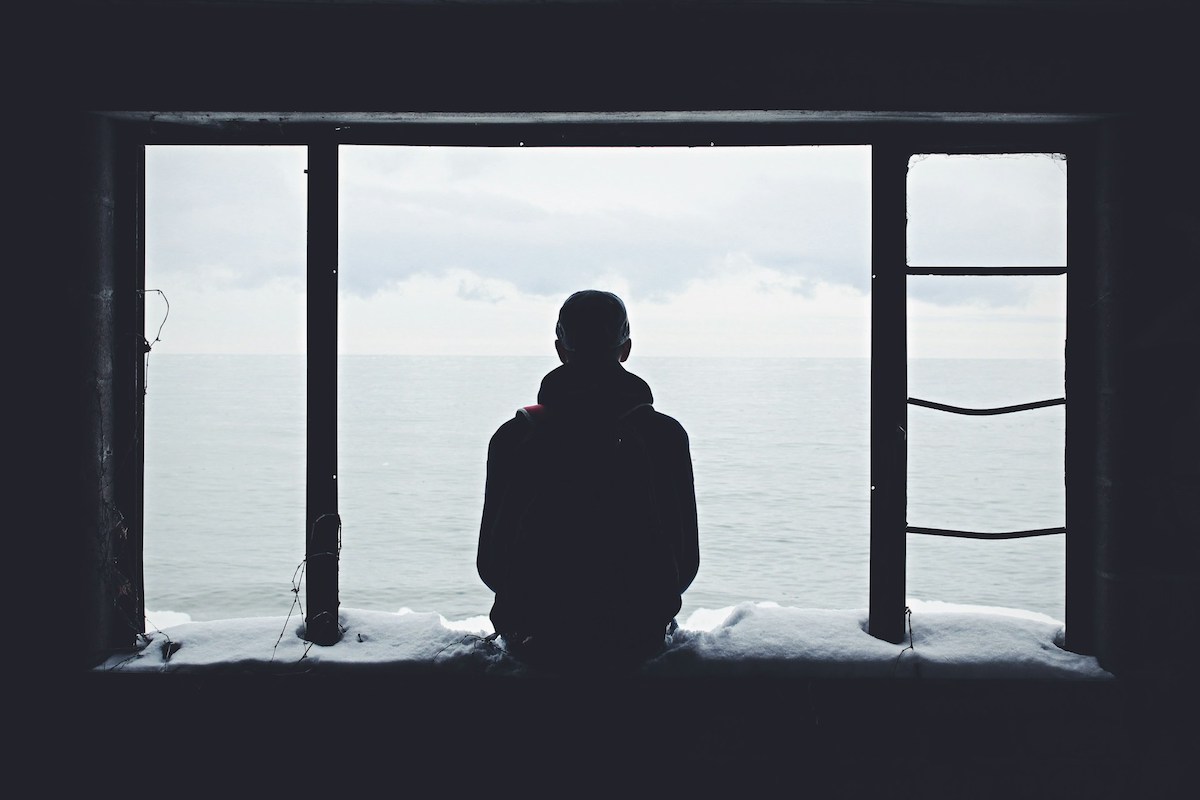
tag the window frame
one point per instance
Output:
(893, 139)
(889, 359)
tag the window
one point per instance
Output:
(225, 380)
(893, 275)
(1003, 472)
(746, 270)
(1012, 240)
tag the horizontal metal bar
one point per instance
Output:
(982, 535)
(986, 412)
(917, 270)
(969, 132)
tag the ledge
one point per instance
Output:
(946, 641)
(754, 699)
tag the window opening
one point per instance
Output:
(225, 395)
(668, 325)
(984, 429)
(745, 271)
(1001, 211)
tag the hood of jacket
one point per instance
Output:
(595, 391)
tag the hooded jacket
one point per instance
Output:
(589, 519)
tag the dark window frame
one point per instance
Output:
(893, 139)
(889, 389)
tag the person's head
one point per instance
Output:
(593, 328)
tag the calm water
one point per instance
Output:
(781, 455)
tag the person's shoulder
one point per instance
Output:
(511, 431)
(665, 423)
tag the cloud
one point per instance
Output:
(742, 309)
(985, 210)
(448, 246)
(1031, 326)
(235, 215)
(546, 220)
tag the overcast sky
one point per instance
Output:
(716, 251)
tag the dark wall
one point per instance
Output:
(1136, 64)
(916, 740)
(1149, 587)
(932, 57)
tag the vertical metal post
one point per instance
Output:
(1097, 304)
(889, 390)
(1082, 466)
(102, 286)
(129, 384)
(323, 526)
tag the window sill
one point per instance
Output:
(753, 640)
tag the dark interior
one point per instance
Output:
(93, 82)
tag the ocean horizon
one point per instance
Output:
(780, 450)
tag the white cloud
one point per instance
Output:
(994, 210)
(750, 310)
(745, 309)
(454, 313)
(1032, 326)
(717, 251)
(547, 218)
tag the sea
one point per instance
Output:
(780, 450)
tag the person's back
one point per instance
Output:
(589, 532)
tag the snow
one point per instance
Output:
(947, 641)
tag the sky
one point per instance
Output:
(716, 251)
(947, 641)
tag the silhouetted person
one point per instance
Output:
(589, 532)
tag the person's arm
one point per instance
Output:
(689, 533)
(489, 558)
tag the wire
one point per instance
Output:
(298, 579)
(167, 313)
(489, 641)
(908, 619)
(148, 346)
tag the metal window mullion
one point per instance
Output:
(889, 390)
(129, 380)
(1086, 458)
(984, 271)
(322, 524)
